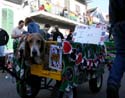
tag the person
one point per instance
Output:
(45, 33)
(17, 33)
(117, 21)
(4, 38)
(57, 33)
(64, 12)
(84, 18)
(42, 7)
(3, 41)
(70, 35)
(89, 18)
(48, 6)
(32, 26)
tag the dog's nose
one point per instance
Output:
(34, 52)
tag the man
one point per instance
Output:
(45, 32)
(70, 35)
(57, 33)
(117, 21)
(17, 33)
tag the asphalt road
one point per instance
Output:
(8, 89)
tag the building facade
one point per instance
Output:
(65, 13)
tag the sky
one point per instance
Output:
(102, 4)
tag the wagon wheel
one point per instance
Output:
(71, 94)
(96, 84)
(57, 93)
(63, 94)
(31, 89)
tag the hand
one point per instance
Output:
(19, 36)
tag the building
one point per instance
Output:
(8, 17)
(65, 13)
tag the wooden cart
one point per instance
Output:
(80, 63)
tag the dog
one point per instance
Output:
(34, 48)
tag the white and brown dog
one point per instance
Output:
(34, 47)
(31, 48)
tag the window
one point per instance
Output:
(67, 4)
(77, 8)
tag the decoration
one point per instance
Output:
(67, 48)
(79, 59)
(55, 58)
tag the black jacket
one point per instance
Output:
(56, 34)
(69, 37)
(117, 17)
(116, 11)
(4, 37)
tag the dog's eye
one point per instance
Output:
(38, 41)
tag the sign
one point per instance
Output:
(93, 34)
(55, 58)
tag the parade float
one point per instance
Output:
(70, 64)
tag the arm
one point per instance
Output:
(62, 37)
(15, 36)
(112, 15)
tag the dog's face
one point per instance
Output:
(36, 44)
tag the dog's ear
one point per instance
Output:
(21, 45)
(27, 47)
(42, 48)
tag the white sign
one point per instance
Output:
(93, 34)
(55, 58)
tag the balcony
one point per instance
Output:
(46, 17)
(54, 13)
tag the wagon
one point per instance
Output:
(69, 65)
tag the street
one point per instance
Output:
(8, 89)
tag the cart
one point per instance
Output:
(71, 65)
(80, 63)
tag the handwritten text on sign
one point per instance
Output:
(89, 34)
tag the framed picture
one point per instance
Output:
(55, 58)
